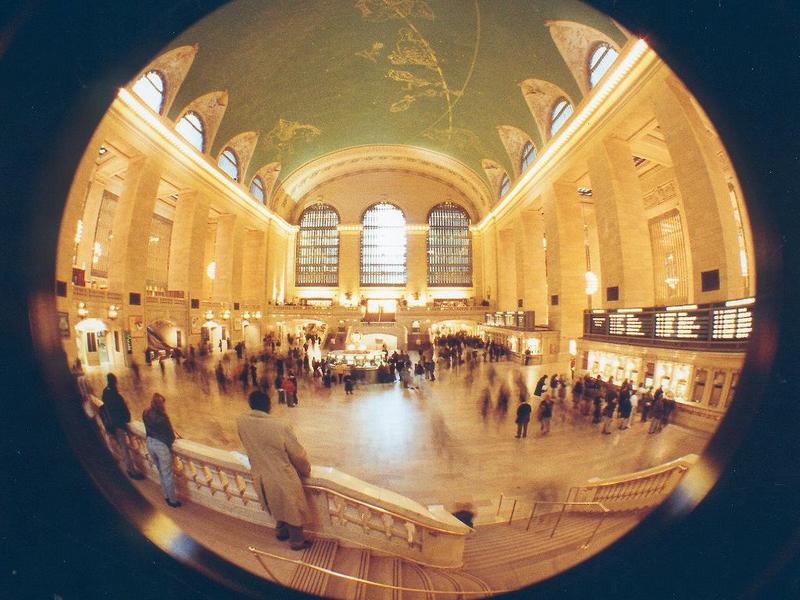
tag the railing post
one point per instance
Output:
(513, 508)
(530, 518)
(596, 529)
(561, 514)
(499, 504)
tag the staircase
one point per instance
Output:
(497, 557)
(368, 575)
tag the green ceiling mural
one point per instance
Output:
(315, 76)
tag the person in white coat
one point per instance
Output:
(277, 463)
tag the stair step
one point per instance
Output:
(311, 581)
(349, 561)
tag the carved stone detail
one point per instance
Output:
(541, 97)
(513, 139)
(575, 42)
(173, 65)
(211, 108)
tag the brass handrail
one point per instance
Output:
(387, 511)
(259, 553)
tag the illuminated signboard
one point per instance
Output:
(629, 324)
(683, 325)
(732, 323)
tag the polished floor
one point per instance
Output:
(431, 444)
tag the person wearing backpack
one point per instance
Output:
(115, 417)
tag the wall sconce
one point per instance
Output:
(257, 314)
(246, 314)
(82, 310)
(226, 314)
(113, 311)
(209, 315)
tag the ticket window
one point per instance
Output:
(699, 387)
(680, 375)
(716, 389)
(649, 374)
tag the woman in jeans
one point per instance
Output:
(160, 437)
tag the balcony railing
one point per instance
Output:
(343, 507)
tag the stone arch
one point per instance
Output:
(211, 108)
(575, 42)
(514, 139)
(269, 175)
(494, 173)
(243, 146)
(173, 66)
(541, 96)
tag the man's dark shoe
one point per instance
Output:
(281, 535)
(175, 504)
(303, 546)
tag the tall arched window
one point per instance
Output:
(561, 112)
(191, 128)
(505, 184)
(528, 156)
(600, 62)
(383, 246)
(449, 246)
(150, 88)
(229, 163)
(318, 247)
(258, 190)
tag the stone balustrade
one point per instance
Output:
(354, 512)
(634, 491)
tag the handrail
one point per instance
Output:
(259, 553)
(564, 505)
(386, 511)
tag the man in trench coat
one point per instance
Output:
(277, 462)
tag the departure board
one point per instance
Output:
(682, 325)
(597, 324)
(732, 323)
(630, 324)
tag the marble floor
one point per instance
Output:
(431, 444)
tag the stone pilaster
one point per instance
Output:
(566, 260)
(187, 249)
(131, 230)
(417, 259)
(534, 282)
(710, 223)
(625, 253)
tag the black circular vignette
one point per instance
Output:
(60, 66)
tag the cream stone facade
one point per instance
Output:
(574, 232)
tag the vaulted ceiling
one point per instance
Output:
(316, 76)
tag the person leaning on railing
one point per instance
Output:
(115, 417)
(160, 437)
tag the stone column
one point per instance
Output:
(417, 259)
(224, 253)
(566, 260)
(506, 266)
(277, 246)
(254, 281)
(91, 210)
(490, 266)
(710, 222)
(625, 253)
(187, 249)
(534, 282)
(477, 265)
(131, 230)
(349, 261)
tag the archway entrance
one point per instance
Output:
(212, 337)
(99, 345)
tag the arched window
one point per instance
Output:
(600, 61)
(505, 184)
(150, 88)
(561, 112)
(528, 156)
(383, 246)
(257, 189)
(318, 247)
(229, 163)
(191, 128)
(449, 246)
